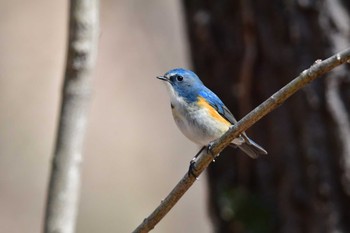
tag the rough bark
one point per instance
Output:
(246, 50)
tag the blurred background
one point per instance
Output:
(246, 50)
(134, 154)
(243, 50)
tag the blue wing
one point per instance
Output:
(249, 146)
(216, 103)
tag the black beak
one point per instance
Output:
(163, 78)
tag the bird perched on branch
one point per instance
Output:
(200, 115)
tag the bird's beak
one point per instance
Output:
(163, 78)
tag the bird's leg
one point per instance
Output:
(192, 168)
(209, 151)
(193, 161)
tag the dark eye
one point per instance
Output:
(179, 78)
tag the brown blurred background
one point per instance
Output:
(134, 153)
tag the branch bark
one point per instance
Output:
(63, 193)
(316, 70)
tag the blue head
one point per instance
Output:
(183, 83)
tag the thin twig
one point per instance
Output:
(63, 193)
(202, 162)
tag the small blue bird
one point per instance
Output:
(200, 115)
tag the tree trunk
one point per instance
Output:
(245, 51)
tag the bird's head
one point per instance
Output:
(183, 83)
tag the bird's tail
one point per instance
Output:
(251, 148)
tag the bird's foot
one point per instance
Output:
(210, 151)
(192, 169)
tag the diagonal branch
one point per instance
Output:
(316, 70)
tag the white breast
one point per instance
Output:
(196, 123)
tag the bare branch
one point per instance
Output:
(202, 162)
(63, 193)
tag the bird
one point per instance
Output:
(200, 114)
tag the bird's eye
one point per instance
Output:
(179, 78)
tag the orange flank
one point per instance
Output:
(212, 111)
